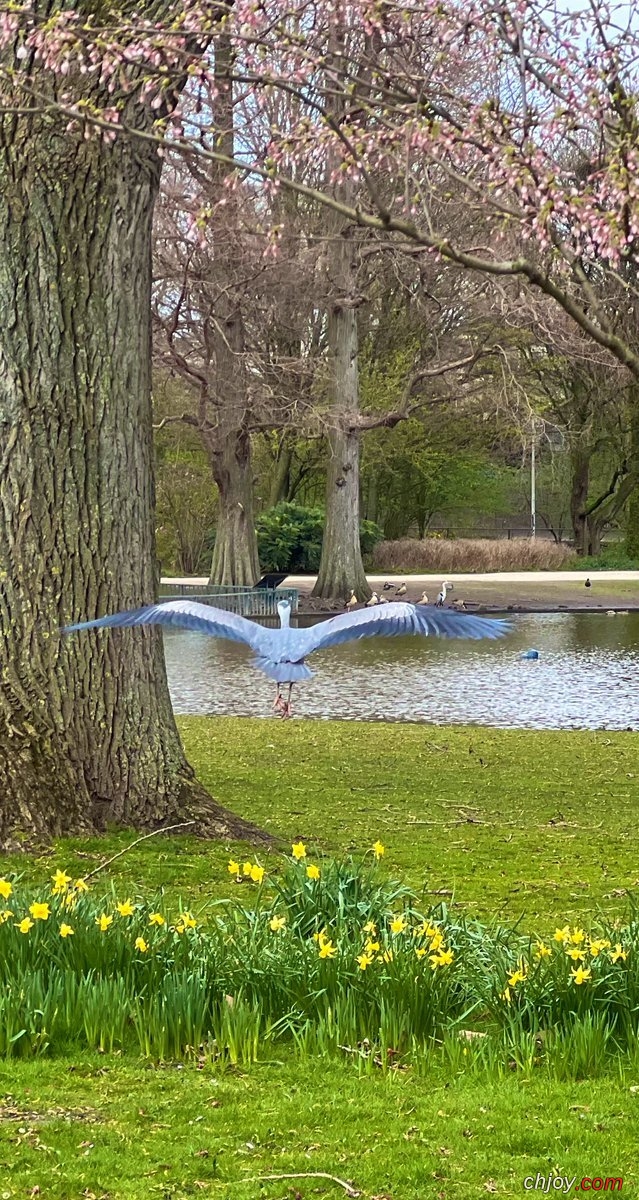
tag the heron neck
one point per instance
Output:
(285, 619)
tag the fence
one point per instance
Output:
(248, 602)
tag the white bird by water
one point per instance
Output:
(280, 653)
(446, 587)
(353, 602)
(423, 599)
(373, 600)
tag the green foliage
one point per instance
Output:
(289, 537)
(612, 558)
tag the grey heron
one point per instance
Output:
(281, 653)
(446, 587)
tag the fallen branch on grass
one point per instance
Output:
(154, 832)
(348, 1188)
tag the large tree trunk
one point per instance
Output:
(580, 482)
(235, 557)
(87, 735)
(632, 510)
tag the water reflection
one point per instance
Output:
(587, 677)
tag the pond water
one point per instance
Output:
(586, 678)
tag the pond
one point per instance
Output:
(586, 678)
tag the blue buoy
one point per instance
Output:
(532, 654)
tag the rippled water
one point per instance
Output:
(587, 677)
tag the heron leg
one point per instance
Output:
(279, 703)
(287, 705)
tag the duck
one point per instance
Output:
(353, 602)
(402, 589)
(423, 599)
(373, 600)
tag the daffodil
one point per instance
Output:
(327, 950)
(371, 947)
(597, 945)
(69, 901)
(320, 937)
(580, 975)
(40, 912)
(364, 961)
(379, 850)
(312, 872)
(443, 959)
(618, 953)
(577, 936)
(5, 914)
(517, 976)
(387, 956)
(425, 930)
(576, 954)
(6, 888)
(187, 920)
(81, 885)
(421, 951)
(65, 930)
(277, 923)
(156, 919)
(298, 850)
(104, 921)
(61, 881)
(437, 942)
(562, 935)
(505, 995)
(125, 908)
(257, 873)
(247, 867)
(141, 945)
(370, 927)
(234, 867)
(398, 925)
(25, 925)
(542, 950)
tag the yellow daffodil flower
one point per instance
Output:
(371, 947)
(426, 930)
(517, 976)
(443, 959)
(5, 914)
(6, 888)
(505, 995)
(104, 921)
(312, 872)
(421, 951)
(577, 936)
(125, 908)
(257, 873)
(370, 927)
(247, 867)
(61, 881)
(187, 920)
(562, 935)
(398, 925)
(40, 912)
(437, 942)
(320, 937)
(81, 885)
(233, 867)
(141, 945)
(541, 950)
(65, 930)
(379, 850)
(69, 901)
(597, 945)
(580, 975)
(156, 919)
(327, 950)
(364, 961)
(277, 923)
(25, 925)
(618, 953)
(387, 956)
(576, 954)
(298, 850)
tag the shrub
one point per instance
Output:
(445, 556)
(289, 537)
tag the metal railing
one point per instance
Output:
(248, 602)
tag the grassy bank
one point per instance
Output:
(535, 826)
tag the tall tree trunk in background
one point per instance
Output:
(580, 482)
(632, 510)
(87, 735)
(235, 557)
(341, 567)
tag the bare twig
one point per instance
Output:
(350, 1191)
(154, 832)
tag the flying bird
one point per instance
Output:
(280, 653)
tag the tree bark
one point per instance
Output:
(87, 735)
(580, 482)
(235, 557)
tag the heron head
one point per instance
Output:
(284, 610)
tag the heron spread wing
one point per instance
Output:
(188, 615)
(391, 620)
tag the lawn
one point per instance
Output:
(530, 827)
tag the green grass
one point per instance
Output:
(531, 826)
(538, 827)
(176, 1133)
